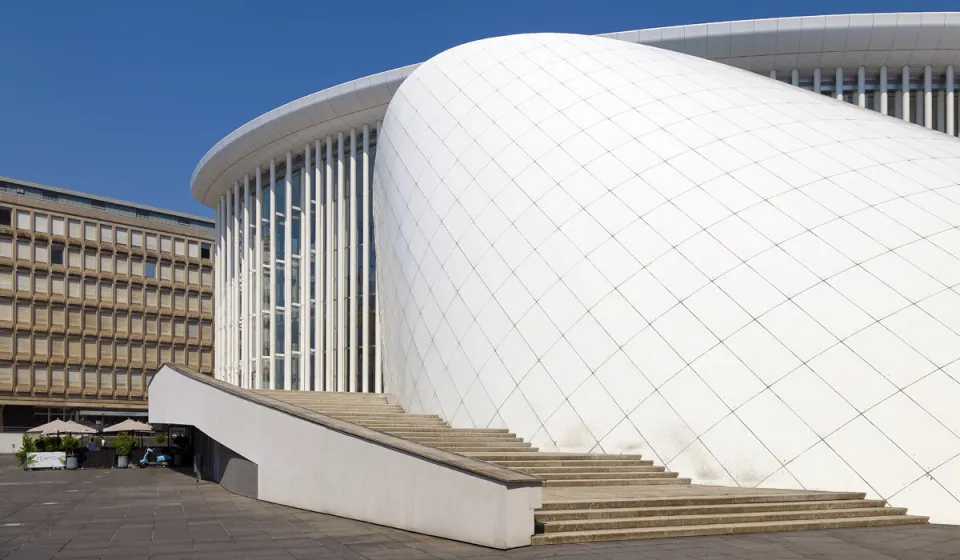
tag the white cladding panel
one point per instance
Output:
(609, 247)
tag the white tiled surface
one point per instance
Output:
(608, 247)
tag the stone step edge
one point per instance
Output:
(728, 529)
(717, 519)
(700, 499)
(655, 511)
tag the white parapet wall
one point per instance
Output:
(314, 462)
(10, 443)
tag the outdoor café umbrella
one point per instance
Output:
(128, 426)
(60, 427)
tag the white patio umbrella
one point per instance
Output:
(128, 426)
(60, 427)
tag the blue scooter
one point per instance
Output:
(161, 460)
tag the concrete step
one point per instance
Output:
(701, 500)
(651, 481)
(465, 439)
(589, 469)
(724, 529)
(400, 416)
(716, 519)
(545, 456)
(432, 430)
(534, 463)
(585, 476)
(714, 509)
(468, 449)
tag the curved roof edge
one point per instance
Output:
(808, 42)
(290, 126)
(783, 44)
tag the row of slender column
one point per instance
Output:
(341, 299)
(946, 102)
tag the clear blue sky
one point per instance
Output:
(122, 99)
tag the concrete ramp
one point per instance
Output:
(308, 460)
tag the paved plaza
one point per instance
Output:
(163, 514)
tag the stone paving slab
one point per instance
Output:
(160, 514)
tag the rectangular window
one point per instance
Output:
(281, 198)
(296, 191)
(151, 269)
(295, 332)
(23, 219)
(152, 241)
(122, 238)
(281, 238)
(106, 262)
(76, 230)
(6, 216)
(106, 234)
(6, 248)
(58, 226)
(280, 333)
(281, 300)
(204, 250)
(89, 231)
(90, 261)
(179, 247)
(41, 253)
(57, 256)
(23, 281)
(136, 239)
(40, 223)
(23, 249)
(295, 281)
(295, 233)
(193, 250)
(166, 244)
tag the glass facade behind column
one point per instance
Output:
(312, 266)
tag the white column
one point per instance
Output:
(773, 74)
(227, 309)
(235, 288)
(918, 101)
(352, 317)
(378, 348)
(245, 287)
(365, 241)
(258, 285)
(928, 96)
(795, 77)
(331, 271)
(905, 95)
(816, 80)
(288, 276)
(862, 86)
(272, 267)
(951, 107)
(838, 84)
(306, 194)
(884, 106)
(217, 302)
(341, 268)
(319, 264)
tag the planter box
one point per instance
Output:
(47, 460)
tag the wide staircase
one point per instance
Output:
(596, 497)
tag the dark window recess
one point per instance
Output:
(151, 269)
(6, 217)
(57, 256)
(204, 250)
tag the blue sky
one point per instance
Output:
(122, 99)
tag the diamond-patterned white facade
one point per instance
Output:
(612, 248)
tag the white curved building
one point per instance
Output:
(611, 247)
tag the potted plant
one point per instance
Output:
(161, 439)
(124, 445)
(27, 446)
(70, 445)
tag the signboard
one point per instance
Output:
(47, 460)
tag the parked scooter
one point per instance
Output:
(160, 460)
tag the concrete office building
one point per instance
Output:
(95, 294)
(634, 243)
